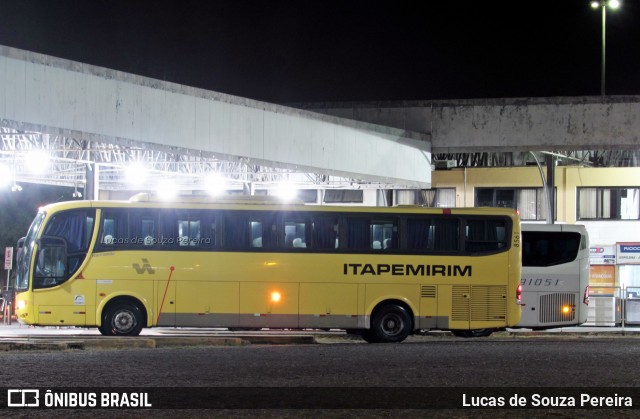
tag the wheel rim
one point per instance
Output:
(124, 321)
(392, 324)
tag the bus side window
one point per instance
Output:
(236, 231)
(189, 232)
(383, 235)
(445, 234)
(256, 234)
(142, 228)
(484, 235)
(148, 231)
(209, 235)
(295, 233)
(324, 232)
(419, 234)
(115, 228)
(359, 234)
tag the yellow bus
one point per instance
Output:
(251, 262)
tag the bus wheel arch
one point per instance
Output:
(123, 316)
(391, 321)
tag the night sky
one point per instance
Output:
(347, 50)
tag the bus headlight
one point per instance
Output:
(21, 304)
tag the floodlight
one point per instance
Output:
(215, 184)
(135, 174)
(37, 161)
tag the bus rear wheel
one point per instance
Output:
(391, 323)
(122, 319)
(475, 333)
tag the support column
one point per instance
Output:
(551, 196)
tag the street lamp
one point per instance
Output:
(603, 4)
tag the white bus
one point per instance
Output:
(555, 275)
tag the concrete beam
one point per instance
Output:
(526, 124)
(579, 123)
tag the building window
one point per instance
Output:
(530, 202)
(608, 203)
(432, 198)
(337, 196)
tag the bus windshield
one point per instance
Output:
(24, 259)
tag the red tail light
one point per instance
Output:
(585, 300)
(519, 294)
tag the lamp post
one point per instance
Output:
(603, 4)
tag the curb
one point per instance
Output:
(100, 342)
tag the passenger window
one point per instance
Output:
(485, 235)
(433, 234)
(236, 231)
(445, 235)
(115, 228)
(324, 231)
(256, 234)
(383, 235)
(419, 234)
(295, 234)
(359, 234)
(189, 232)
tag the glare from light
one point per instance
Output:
(135, 174)
(611, 4)
(167, 190)
(16, 188)
(287, 191)
(215, 184)
(276, 296)
(5, 176)
(37, 161)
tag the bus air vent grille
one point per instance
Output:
(460, 303)
(428, 291)
(551, 307)
(488, 303)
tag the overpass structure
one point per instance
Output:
(585, 130)
(94, 121)
(85, 116)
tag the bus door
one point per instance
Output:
(65, 301)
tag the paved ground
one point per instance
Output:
(19, 337)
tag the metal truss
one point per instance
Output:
(591, 158)
(70, 160)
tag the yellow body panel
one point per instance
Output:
(236, 289)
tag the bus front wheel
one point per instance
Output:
(391, 323)
(122, 319)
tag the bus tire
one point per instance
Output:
(474, 333)
(392, 323)
(122, 318)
